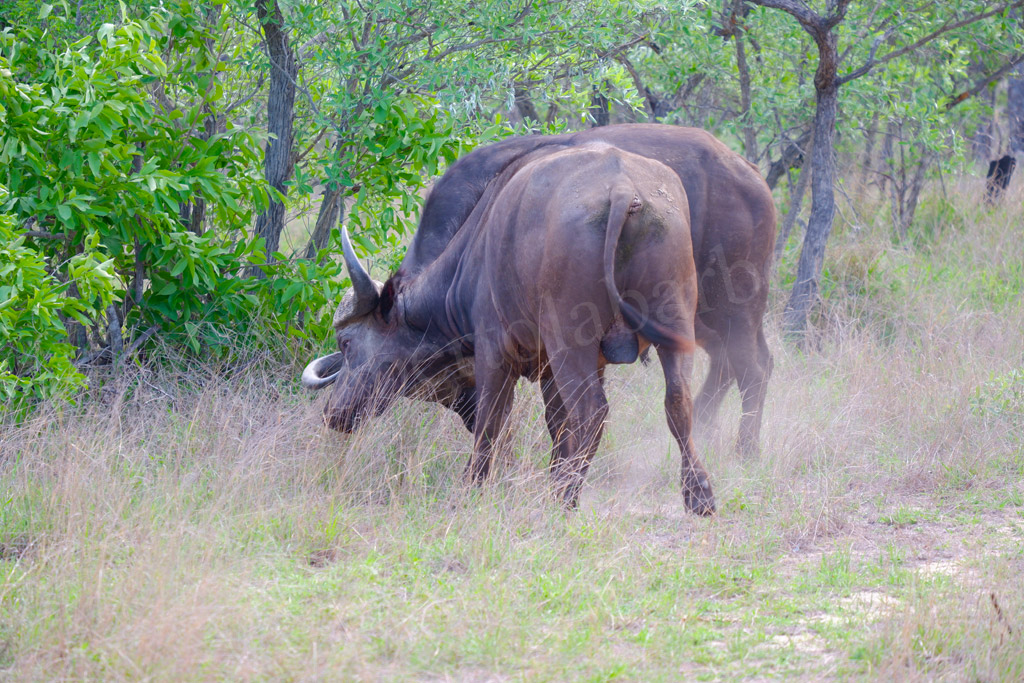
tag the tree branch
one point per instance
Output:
(140, 340)
(870, 63)
(985, 82)
(804, 14)
(641, 89)
(792, 156)
(245, 99)
(297, 158)
(516, 20)
(945, 28)
(865, 30)
(41, 234)
(749, 133)
(833, 20)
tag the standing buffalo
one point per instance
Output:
(732, 223)
(578, 256)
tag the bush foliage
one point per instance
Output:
(99, 176)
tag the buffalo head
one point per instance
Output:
(380, 356)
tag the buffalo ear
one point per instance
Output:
(387, 299)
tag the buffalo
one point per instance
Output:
(580, 256)
(732, 223)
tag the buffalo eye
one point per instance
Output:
(344, 345)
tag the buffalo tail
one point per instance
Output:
(621, 198)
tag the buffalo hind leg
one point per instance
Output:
(585, 409)
(696, 486)
(555, 416)
(752, 363)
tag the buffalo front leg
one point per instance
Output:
(696, 485)
(495, 390)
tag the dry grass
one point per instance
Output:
(182, 527)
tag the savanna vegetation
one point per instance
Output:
(172, 179)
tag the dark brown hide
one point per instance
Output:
(732, 222)
(571, 240)
(576, 243)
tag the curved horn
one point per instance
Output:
(366, 294)
(311, 378)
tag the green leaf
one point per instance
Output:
(94, 163)
(77, 315)
(292, 289)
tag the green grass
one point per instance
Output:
(182, 526)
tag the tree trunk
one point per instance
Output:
(194, 213)
(78, 334)
(683, 96)
(823, 205)
(599, 108)
(280, 120)
(332, 212)
(869, 150)
(525, 106)
(909, 205)
(984, 135)
(1015, 111)
(796, 201)
(916, 185)
(885, 164)
(897, 179)
(552, 115)
(198, 216)
(656, 105)
(749, 134)
(115, 340)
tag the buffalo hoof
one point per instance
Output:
(699, 500)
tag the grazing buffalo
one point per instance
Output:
(579, 256)
(732, 223)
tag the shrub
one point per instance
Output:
(35, 356)
(106, 175)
